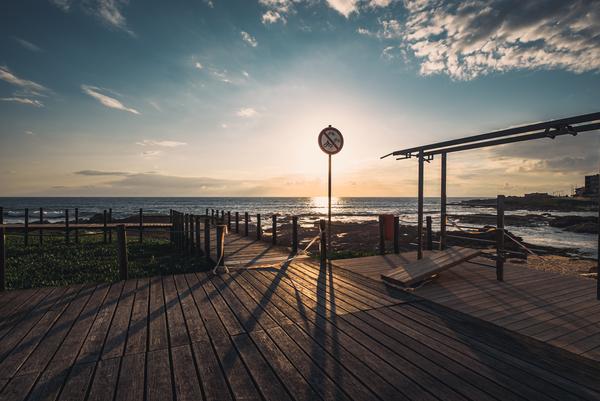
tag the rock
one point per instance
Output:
(577, 224)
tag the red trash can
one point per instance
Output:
(388, 226)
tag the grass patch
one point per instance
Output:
(58, 264)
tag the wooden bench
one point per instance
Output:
(414, 272)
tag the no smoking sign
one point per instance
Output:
(331, 140)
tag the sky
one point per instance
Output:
(226, 98)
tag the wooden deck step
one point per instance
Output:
(408, 274)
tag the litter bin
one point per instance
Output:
(388, 226)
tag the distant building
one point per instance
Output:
(580, 191)
(592, 182)
(538, 195)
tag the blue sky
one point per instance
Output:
(109, 97)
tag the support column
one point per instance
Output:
(443, 200)
(420, 208)
(500, 239)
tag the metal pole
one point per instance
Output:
(500, 239)
(294, 234)
(323, 249)
(420, 209)
(443, 200)
(598, 256)
(329, 208)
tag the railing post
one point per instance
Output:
(1, 215)
(222, 216)
(186, 223)
(41, 232)
(274, 229)
(500, 239)
(191, 234)
(294, 234)
(141, 225)
(237, 222)
(110, 230)
(122, 251)
(229, 220)
(443, 202)
(429, 233)
(396, 234)
(212, 215)
(2, 259)
(171, 231)
(26, 236)
(206, 212)
(207, 238)
(598, 255)
(220, 244)
(104, 222)
(420, 207)
(77, 222)
(67, 239)
(198, 244)
(381, 236)
(258, 227)
(246, 218)
(323, 245)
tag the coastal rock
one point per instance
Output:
(577, 224)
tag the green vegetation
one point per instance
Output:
(57, 264)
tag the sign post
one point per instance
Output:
(331, 142)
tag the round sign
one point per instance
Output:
(331, 140)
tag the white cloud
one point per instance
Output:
(108, 11)
(151, 154)
(26, 44)
(106, 100)
(29, 133)
(220, 75)
(29, 87)
(344, 7)
(251, 40)
(271, 17)
(245, 73)
(23, 100)
(247, 112)
(198, 65)
(224, 125)
(468, 39)
(166, 144)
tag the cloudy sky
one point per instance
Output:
(224, 97)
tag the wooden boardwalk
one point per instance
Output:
(556, 309)
(299, 332)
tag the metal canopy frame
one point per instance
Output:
(549, 129)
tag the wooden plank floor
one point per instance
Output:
(556, 309)
(295, 333)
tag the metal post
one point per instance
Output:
(212, 214)
(323, 248)
(222, 217)
(77, 222)
(207, 212)
(381, 236)
(2, 259)
(110, 230)
(274, 229)
(122, 251)
(141, 225)
(420, 208)
(443, 201)
(229, 220)
(294, 234)
(246, 218)
(429, 233)
(598, 256)
(258, 227)
(220, 244)
(67, 239)
(41, 232)
(329, 205)
(396, 234)
(500, 239)
(207, 238)
(1, 215)
(26, 236)
(237, 222)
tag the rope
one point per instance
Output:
(472, 232)
(522, 245)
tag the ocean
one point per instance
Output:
(346, 209)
